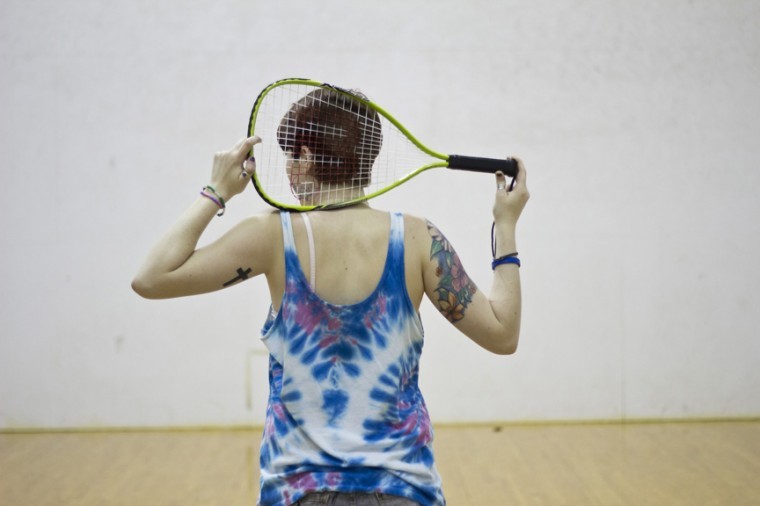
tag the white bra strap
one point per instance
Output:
(312, 259)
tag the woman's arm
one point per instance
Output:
(492, 321)
(175, 268)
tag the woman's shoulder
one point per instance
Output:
(271, 216)
(417, 233)
(264, 223)
(418, 224)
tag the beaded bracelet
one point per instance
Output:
(506, 259)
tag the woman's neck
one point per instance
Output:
(330, 194)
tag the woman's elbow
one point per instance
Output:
(507, 349)
(144, 289)
(506, 345)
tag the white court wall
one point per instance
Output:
(638, 122)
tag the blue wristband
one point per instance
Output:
(507, 259)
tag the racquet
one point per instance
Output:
(326, 147)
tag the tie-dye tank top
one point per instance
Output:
(345, 412)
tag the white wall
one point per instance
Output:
(638, 122)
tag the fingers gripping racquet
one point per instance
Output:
(326, 147)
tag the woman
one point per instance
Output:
(346, 422)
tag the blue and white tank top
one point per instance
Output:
(345, 412)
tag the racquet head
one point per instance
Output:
(326, 147)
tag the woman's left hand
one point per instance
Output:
(233, 169)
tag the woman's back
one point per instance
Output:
(350, 254)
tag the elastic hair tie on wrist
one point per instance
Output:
(506, 259)
(220, 205)
(212, 190)
(493, 240)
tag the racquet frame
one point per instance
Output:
(477, 164)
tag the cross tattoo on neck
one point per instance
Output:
(242, 275)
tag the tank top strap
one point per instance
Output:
(289, 244)
(288, 239)
(395, 261)
(292, 264)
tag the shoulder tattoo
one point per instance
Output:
(455, 289)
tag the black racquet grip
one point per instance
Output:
(477, 164)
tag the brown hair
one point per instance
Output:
(342, 133)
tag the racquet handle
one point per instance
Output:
(477, 164)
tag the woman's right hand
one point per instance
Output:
(508, 204)
(233, 169)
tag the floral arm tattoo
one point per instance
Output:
(455, 289)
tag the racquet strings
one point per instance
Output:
(320, 146)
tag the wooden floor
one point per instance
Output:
(606, 464)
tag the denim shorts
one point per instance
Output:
(353, 499)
